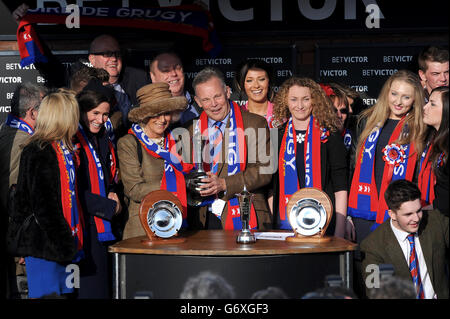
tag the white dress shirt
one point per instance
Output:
(402, 238)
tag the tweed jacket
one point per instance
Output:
(257, 174)
(10, 141)
(381, 247)
(138, 180)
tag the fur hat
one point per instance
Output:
(155, 99)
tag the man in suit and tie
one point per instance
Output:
(237, 144)
(415, 242)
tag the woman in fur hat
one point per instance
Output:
(145, 157)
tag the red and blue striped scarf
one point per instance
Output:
(19, 123)
(190, 20)
(69, 196)
(237, 160)
(400, 160)
(174, 168)
(287, 167)
(97, 181)
(427, 178)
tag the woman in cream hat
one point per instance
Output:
(144, 153)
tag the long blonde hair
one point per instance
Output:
(57, 119)
(322, 109)
(378, 114)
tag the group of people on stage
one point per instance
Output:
(92, 151)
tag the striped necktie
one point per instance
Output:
(216, 147)
(414, 267)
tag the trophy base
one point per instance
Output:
(162, 241)
(245, 237)
(308, 239)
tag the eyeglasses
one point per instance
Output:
(108, 54)
(344, 111)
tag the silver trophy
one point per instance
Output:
(194, 179)
(245, 203)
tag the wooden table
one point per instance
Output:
(163, 269)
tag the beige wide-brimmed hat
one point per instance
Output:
(155, 99)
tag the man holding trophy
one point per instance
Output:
(231, 151)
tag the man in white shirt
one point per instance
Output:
(429, 241)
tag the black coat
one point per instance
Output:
(38, 191)
(96, 267)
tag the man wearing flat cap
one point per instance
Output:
(145, 157)
(234, 156)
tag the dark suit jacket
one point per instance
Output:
(381, 247)
(256, 175)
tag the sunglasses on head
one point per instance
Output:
(108, 54)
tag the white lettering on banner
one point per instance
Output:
(349, 59)
(212, 61)
(284, 73)
(360, 88)
(333, 73)
(230, 13)
(5, 108)
(270, 59)
(317, 14)
(10, 79)
(397, 58)
(381, 72)
(191, 75)
(17, 66)
(230, 74)
(369, 101)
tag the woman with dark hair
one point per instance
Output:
(311, 150)
(388, 139)
(97, 181)
(254, 82)
(433, 166)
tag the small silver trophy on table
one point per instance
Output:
(245, 204)
(194, 179)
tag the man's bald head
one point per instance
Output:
(104, 42)
(104, 53)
